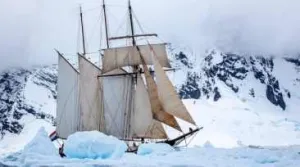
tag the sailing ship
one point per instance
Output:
(124, 97)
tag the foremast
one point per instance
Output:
(82, 32)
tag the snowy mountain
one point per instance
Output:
(239, 99)
(27, 102)
(247, 77)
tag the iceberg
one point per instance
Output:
(94, 145)
(40, 145)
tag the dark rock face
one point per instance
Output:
(190, 90)
(11, 84)
(13, 104)
(294, 61)
(252, 92)
(265, 76)
(45, 79)
(232, 70)
(183, 59)
(217, 94)
(274, 94)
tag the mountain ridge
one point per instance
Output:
(14, 104)
(231, 68)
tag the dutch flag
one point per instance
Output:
(53, 136)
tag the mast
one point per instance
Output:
(106, 25)
(131, 23)
(135, 69)
(82, 32)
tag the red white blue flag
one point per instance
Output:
(53, 136)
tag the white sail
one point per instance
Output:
(67, 113)
(129, 56)
(90, 96)
(117, 92)
(143, 124)
(167, 94)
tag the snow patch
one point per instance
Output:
(154, 148)
(217, 58)
(40, 97)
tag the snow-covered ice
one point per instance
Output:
(93, 145)
(197, 156)
(152, 148)
(41, 152)
(40, 147)
(16, 142)
(41, 144)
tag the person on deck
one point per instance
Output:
(61, 151)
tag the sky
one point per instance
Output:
(31, 30)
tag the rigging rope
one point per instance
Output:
(101, 31)
(121, 24)
(142, 30)
(89, 39)
(115, 18)
(78, 36)
(192, 138)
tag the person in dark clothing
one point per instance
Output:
(143, 140)
(61, 151)
(151, 72)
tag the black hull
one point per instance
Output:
(171, 142)
(179, 139)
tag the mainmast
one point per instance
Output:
(135, 69)
(106, 25)
(132, 30)
(132, 35)
(82, 32)
(131, 23)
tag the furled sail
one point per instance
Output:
(143, 124)
(117, 92)
(167, 93)
(67, 113)
(92, 117)
(158, 111)
(129, 56)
